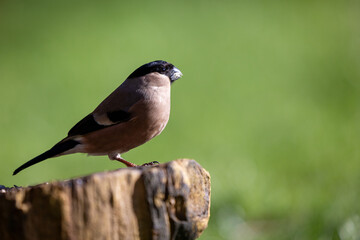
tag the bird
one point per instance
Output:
(134, 113)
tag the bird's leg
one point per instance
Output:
(118, 157)
(127, 163)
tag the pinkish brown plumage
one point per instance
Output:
(137, 111)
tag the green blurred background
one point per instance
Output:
(269, 102)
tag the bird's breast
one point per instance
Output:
(154, 110)
(149, 117)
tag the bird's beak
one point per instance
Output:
(175, 74)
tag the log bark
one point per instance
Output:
(166, 201)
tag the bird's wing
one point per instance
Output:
(88, 124)
(113, 110)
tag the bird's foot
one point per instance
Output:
(150, 163)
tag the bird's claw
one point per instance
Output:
(150, 163)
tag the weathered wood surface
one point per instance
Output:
(167, 201)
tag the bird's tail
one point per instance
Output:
(59, 148)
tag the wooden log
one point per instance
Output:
(166, 201)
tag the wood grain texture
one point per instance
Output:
(166, 201)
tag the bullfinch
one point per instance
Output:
(134, 113)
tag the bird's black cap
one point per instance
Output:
(159, 66)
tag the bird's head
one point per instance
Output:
(158, 66)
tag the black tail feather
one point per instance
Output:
(55, 150)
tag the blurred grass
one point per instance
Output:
(269, 103)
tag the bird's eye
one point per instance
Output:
(163, 69)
